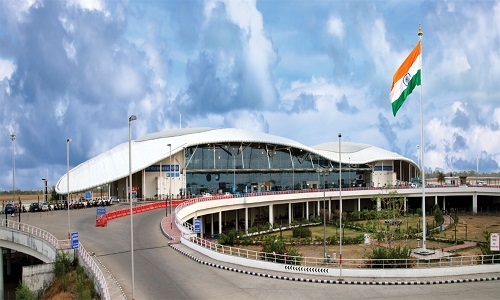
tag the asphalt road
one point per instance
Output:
(163, 273)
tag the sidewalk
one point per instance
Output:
(169, 229)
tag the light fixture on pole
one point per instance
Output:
(68, 195)
(166, 199)
(340, 202)
(170, 186)
(45, 192)
(13, 138)
(130, 119)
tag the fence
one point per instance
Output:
(328, 262)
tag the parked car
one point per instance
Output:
(9, 208)
(45, 206)
(34, 207)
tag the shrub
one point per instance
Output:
(384, 258)
(62, 265)
(24, 293)
(301, 232)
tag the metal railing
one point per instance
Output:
(90, 264)
(94, 269)
(333, 262)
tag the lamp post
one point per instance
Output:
(340, 201)
(166, 199)
(170, 186)
(130, 119)
(45, 192)
(67, 184)
(13, 138)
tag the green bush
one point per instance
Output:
(62, 265)
(384, 258)
(301, 232)
(24, 293)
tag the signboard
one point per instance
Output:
(88, 195)
(101, 211)
(197, 225)
(495, 242)
(74, 240)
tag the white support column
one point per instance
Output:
(474, 203)
(236, 219)
(405, 203)
(290, 213)
(246, 220)
(220, 222)
(212, 224)
(379, 204)
(436, 200)
(2, 289)
(307, 210)
(359, 204)
(271, 214)
(444, 203)
(330, 205)
(319, 207)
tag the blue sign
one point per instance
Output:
(88, 195)
(101, 211)
(197, 225)
(74, 240)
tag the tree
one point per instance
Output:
(438, 215)
(440, 177)
(391, 209)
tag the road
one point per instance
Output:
(163, 273)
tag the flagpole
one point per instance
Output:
(422, 147)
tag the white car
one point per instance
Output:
(45, 207)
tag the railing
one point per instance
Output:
(33, 231)
(93, 268)
(63, 244)
(328, 262)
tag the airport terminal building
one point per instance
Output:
(190, 162)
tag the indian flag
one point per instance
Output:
(406, 78)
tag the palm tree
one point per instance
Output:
(440, 177)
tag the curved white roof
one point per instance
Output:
(356, 153)
(113, 164)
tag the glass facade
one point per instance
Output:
(255, 167)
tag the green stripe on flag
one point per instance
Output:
(414, 81)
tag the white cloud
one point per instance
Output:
(336, 27)
(7, 68)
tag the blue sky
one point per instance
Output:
(305, 70)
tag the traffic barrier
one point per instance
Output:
(102, 221)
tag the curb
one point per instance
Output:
(331, 281)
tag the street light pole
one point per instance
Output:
(13, 138)
(170, 186)
(45, 192)
(340, 201)
(67, 184)
(166, 199)
(130, 119)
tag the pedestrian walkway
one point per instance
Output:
(169, 229)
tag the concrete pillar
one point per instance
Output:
(404, 204)
(2, 289)
(379, 204)
(290, 213)
(271, 214)
(319, 207)
(307, 210)
(220, 222)
(474, 203)
(211, 224)
(8, 258)
(444, 203)
(246, 220)
(359, 204)
(236, 219)
(436, 200)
